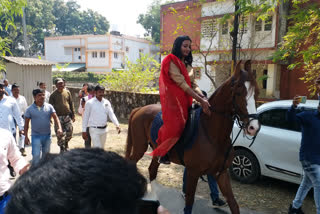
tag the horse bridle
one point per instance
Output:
(235, 117)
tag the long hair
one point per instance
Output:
(176, 49)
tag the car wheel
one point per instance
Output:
(245, 167)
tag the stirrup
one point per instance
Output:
(164, 159)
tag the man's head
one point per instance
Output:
(15, 90)
(39, 96)
(78, 181)
(2, 90)
(59, 84)
(90, 89)
(43, 85)
(99, 89)
(5, 82)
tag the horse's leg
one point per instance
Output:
(153, 169)
(225, 187)
(191, 184)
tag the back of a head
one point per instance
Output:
(78, 181)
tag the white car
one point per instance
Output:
(275, 152)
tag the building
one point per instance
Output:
(28, 73)
(98, 53)
(258, 40)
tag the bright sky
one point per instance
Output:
(122, 14)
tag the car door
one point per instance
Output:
(279, 143)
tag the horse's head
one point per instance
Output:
(244, 95)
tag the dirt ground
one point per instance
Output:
(267, 195)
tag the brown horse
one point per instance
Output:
(212, 151)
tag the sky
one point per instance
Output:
(121, 14)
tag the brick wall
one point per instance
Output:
(122, 102)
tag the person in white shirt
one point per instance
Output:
(22, 103)
(42, 85)
(9, 109)
(96, 114)
(9, 151)
(83, 100)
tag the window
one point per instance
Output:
(268, 24)
(208, 28)
(264, 82)
(243, 27)
(258, 25)
(102, 54)
(140, 50)
(76, 49)
(115, 55)
(79, 57)
(94, 54)
(127, 49)
(277, 118)
(225, 29)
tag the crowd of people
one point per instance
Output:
(15, 114)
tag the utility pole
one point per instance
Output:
(25, 38)
(234, 35)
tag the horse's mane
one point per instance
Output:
(240, 76)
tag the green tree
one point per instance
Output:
(300, 48)
(8, 11)
(151, 21)
(137, 77)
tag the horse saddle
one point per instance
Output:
(189, 134)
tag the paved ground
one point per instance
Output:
(174, 202)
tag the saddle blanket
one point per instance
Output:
(157, 123)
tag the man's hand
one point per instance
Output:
(162, 210)
(296, 101)
(84, 136)
(205, 106)
(59, 133)
(118, 129)
(24, 169)
(26, 140)
(21, 132)
(73, 118)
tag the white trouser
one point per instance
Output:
(98, 137)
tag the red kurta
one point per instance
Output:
(174, 105)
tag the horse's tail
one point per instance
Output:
(129, 137)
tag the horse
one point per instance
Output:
(212, 153)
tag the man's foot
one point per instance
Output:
(295, 210)
(23, 152)
(164, 159)
(62, 149)
(218, 203)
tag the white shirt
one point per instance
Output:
(47, 96)
(9, 109)
(22, 103)
(96, 114)
(8, 151)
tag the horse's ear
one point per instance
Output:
(243, 76)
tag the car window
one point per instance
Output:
(277, 118)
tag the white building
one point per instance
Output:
(99, 53)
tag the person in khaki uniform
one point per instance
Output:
(61, 100)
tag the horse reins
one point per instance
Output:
(235, 117)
